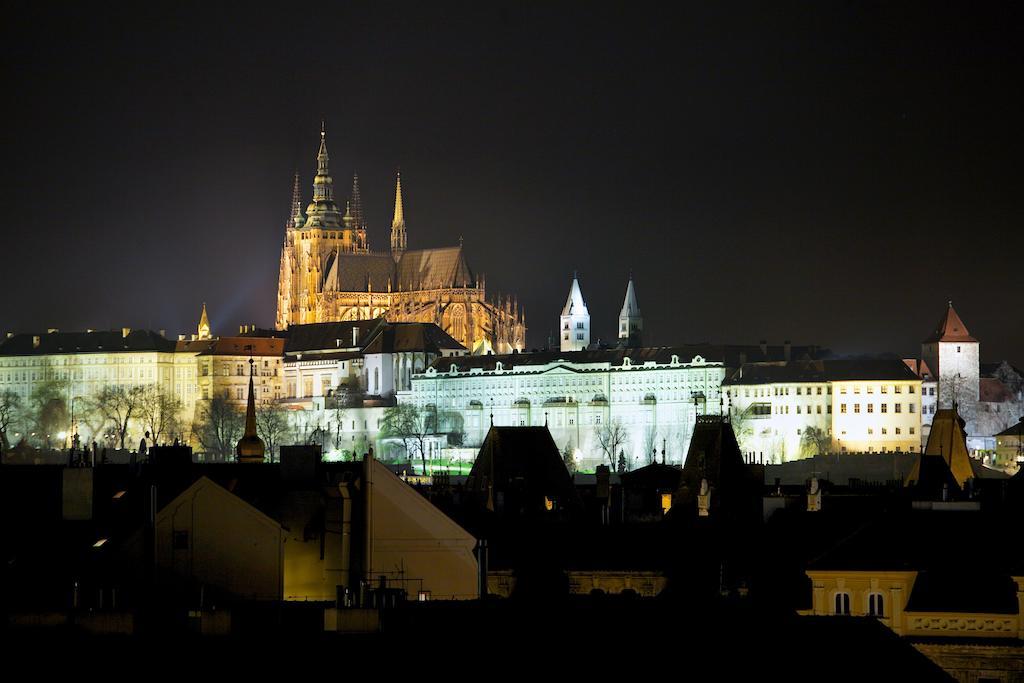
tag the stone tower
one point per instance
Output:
(954, 357)
(575, 320)
(631, 323)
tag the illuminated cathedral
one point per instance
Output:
(328, 273)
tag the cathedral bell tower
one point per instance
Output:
(575, 320)
(631, 323)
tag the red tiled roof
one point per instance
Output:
(950, 329)
(991, 390)
(234, 346)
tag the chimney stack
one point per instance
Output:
(35, 341)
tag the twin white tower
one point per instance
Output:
(574, 323)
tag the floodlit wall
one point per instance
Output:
(210, 536)
(415, 545)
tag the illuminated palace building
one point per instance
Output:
(329, 274)
(628, 399)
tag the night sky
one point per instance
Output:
(825, 173)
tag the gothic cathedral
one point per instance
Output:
(328, 273)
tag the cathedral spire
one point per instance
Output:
(297, 219)
(357, 204)
(323, 185)
(398, 235)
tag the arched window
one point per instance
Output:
(842, 603)
(876, 605)
(458, 323)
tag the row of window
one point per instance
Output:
(876, 604)
(884, 408)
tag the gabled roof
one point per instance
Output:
(410, 337)
(523, 462)
(574, 304)
(950, 329)
(919, 368)
(98, 341)
(359, 273)
(839, 370)
(1015, 430)
(233, 346)
(433, 269)
(945, 458)
(331, 336)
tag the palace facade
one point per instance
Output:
(329, 274)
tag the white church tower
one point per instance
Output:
(953, 356)
(631, 323)
(575, 320)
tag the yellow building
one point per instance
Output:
(328, 274)
(788, 410)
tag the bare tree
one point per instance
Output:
(160, 412)
(10, 414)
(271, 425)
(651, 435)
(611, 436)
(412, 425)
(218, 427)
(817, 439)
(119, 405)
(48, 409)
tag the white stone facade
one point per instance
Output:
(577, 393)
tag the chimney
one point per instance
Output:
(35, 341)
(125, 331)
(764, 347)
(743, 358)
(163, 333)
(787, 350)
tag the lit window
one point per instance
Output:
(842, 603)
(876, 605)
(885, 407)
(898, 407)
(856, 408)
(842, 408)
(871, 407)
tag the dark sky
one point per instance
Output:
(826, 173)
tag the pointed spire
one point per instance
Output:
(357, 204)
(203, 331)
(297, 219)
(398, 233)
(631, 323)
(399, 219)
(574, 303)
(250, 447)
(950, 328)
(323, 185)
